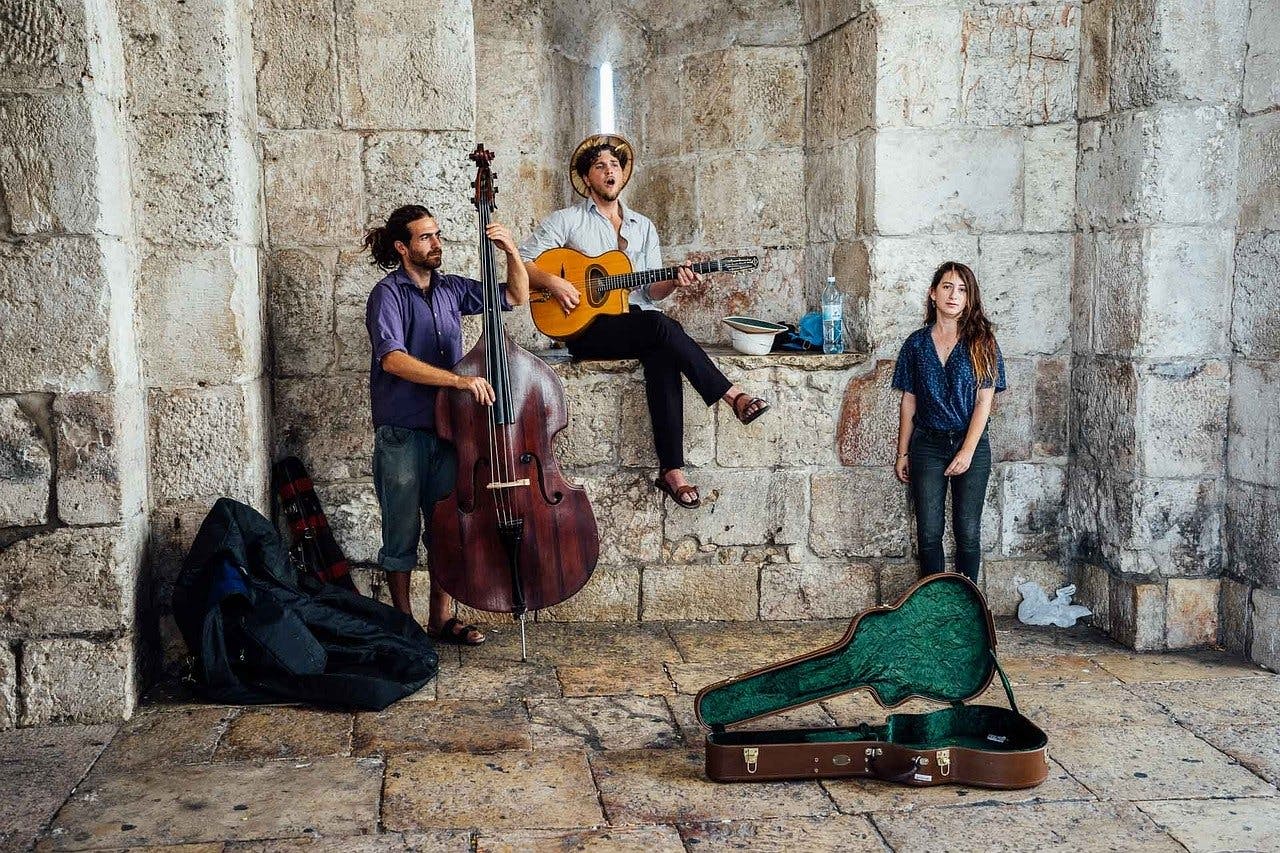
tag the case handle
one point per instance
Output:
(885, 776)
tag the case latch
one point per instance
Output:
(943, 758)
(751, 755)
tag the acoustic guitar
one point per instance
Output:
(603, 283)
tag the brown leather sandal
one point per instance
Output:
(743, 409)
(454, 633)
(678, 495)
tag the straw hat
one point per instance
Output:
(620, 143)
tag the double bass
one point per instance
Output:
(514, 535)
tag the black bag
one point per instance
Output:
(262, 633)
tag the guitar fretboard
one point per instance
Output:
(632, 280)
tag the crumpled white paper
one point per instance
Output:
(1037, 609)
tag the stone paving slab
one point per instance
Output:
(644, 786)
(1219, 702)
(164, 735)
(576, 644)
(522, 790)
(851, 833)
(1059, 707)
(603, 722)
(463, 725)
(498, 681)
(1082, 827)
(1152, 763)
(458, 840)
(1256, 747)
(1186, 666)
(743, 646)
(178, 805)
(806, 717)
(1054, 669)
(1208, 826)
(609, 678)
(647, 839)
(285, 732)
(38, 769)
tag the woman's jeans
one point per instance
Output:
(929, 453)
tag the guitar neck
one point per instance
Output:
(632, 280)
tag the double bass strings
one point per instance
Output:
(501, 461)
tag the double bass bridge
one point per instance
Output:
(509, 484)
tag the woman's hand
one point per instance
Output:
(960, 464)
(902, 468)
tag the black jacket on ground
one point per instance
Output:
(261, 634)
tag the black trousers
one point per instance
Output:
(666, 351)
(930, 452)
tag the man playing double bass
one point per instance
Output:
(414, 319)
(599, 169)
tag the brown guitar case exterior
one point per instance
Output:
(937, 642)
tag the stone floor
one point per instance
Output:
(592, 746)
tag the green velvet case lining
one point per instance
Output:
(937, 644)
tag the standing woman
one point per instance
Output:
(948, 373)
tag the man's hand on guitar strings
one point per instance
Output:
(565, 293)
(686, 277)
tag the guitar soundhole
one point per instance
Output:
(595, 294)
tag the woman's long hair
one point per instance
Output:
(975, 329)
(381, 241)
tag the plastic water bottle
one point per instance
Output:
(832, 318)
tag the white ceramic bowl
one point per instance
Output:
(751, 336)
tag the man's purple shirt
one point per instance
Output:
(428, 326)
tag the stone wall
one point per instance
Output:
(1251, 589)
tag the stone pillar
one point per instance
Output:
(72, 430)
(1151, 301)
(1250, 608)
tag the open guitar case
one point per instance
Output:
(937, 642)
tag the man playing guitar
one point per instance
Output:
(599, 169)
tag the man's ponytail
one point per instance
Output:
(381, 241)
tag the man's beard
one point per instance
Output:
(426, 262)
(607, 193)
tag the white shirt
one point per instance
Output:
(584, 228)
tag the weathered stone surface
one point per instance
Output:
(1032, 502)
(67, 335)
(353, 282)
(182, 58)
(1001, 578)
(70, 581)
(8, 688)
(774, 289)
(1255, 746)
(1218, 824)
(1101, 706)
(208, 443)
(662, 190)
(895, 579)
(947, 180)
(1253, 532)
(604, 679)
(1174, 527)
(647, 839)
(330, 796)
(25, 468)
(44, 44)
(1207, 698)
(326, 422)
(41, 768)
(842, 82)
(1253, 451)
(858, 513)
(595, 406)
(742, 507)
(767, 185)
(1094, 94)
(101, 456)
(852, 833)
(678, 27)
(1191, 612)
(918, 69)
(82, 680)
(1265, 646)
(626, 502)
(376, 842)
(1019, 63)
(314, 187)
(1233, 617)
(832, 184)
(430, 169)
(1049, 178)
(1103, 409)
(1049, 409)
(1262, 63)
(1173, 165)
(1093, 590)
(295, 48)
(602, 722)
(509, 789)
(1011, 424)
(166, 736)
(355, 517)
(1137, 613)
(452, 725)
(1255, 304)
(1026, 280)
(816, 590)
(751, 644)
(285, 732)
(300, 310)
(612, 595)
(635, 432)
(502, 681)
(700, 592)
(1182, 409)
(744, 98)
(375, 37)
(868, 426)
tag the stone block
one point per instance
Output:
(196, 180)
(355, 517)
(842, 82)
(664, 190)
(64, 340)
(822, 16)
(84, 681)
(868, 426)
(629, 513)
(1033, 504)
(374, 37)
(1182, 416)
(1137, 613)
(1049, 408)
(300, 310)
(45, 44)
(766, 185)
(208, 443)
(102, 452)
(774, 289)
(1255, 305)
(635, 432)
(1233, 617)
(354, 280)
(1049, 178)
(55, 171)
(1265, 647)
(173, 530)
(1170, 165)
(674, 27)
(661, 99)
(1253, 532)
(749, 507)
(1001, 579)
(8, 688)
(200, 316)
(1093, 590)
(743, 98)
(1163, 527)
(296, 55)
(325, 421)
(25, 468)
(183, 58)
(1082, 296)
(700, 593)
(1094, 93)
(1262, 59)
(1019, 62)
(858, 513)
(1026, 285)
(1253, 449)
(595, 415)
(1191, 612)
(430, 169)
(1103, 412)
(947, 180)
(918, 69)
(612, 595)
(1010, 424)
(1176, 52)
(1260, 172)
(315, 188)
(893, 282)
(831, 182)
(816, 590)
(895, 579)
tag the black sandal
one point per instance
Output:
(744, 412)
(678, 495)
(454, 633)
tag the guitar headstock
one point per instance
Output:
(739, 263)
(485, 184)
